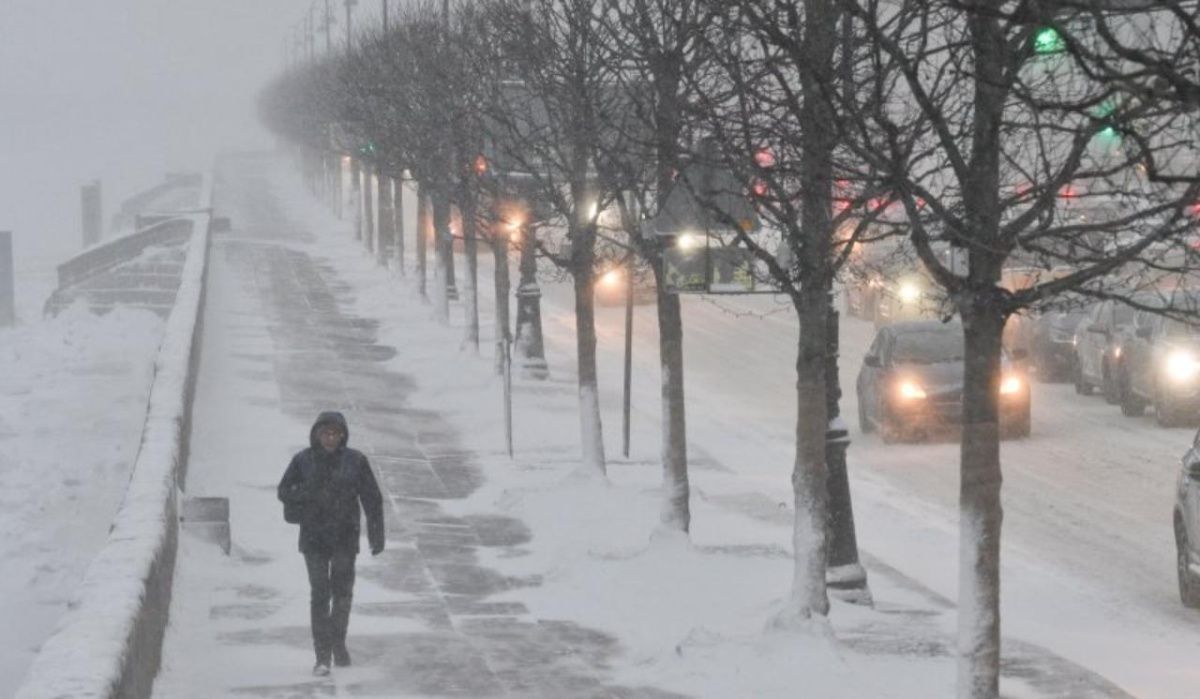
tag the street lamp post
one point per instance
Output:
(349, 9)
(845, 576)
(385, 16)
(328, 28)
(529, 346)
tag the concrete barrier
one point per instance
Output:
(109, 643)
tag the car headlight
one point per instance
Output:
(1010, 385)
(910, 390)
(688, 242)
(1182, 365)
(909, 292)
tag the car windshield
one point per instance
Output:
(1181, 330)
(1068, 321)
(929, 346)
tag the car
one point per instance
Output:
(911, 383)
(1159, 366)
(1097, 339)
(1052, 344)
(1186, 522)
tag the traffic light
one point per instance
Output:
(1048, 40)
(1110, 127)
(479, 166)
(764, 159)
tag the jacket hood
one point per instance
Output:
(329, 417)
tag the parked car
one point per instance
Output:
(911, 383)
(1097, 339)
(1159, 365)
(1186, 522)
(1052, 344)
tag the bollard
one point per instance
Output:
(8, 308)
(93, 216)
(207, 518)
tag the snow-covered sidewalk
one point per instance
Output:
(502, 577)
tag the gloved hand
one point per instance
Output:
(376, 548)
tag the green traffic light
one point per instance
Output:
(1048, 40)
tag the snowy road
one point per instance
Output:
(1088, 565)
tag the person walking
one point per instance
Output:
(321, 491)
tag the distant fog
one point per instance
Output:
(124, 91)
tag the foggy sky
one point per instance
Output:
(124, 91)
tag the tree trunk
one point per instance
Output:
(387, 221)
(369, 207)
(398, 223)
(423, 226)
(356, 197)
(336, 193)
(810, 247)
(980, 513)
(503, 332)
(445, 251)
(469, 225)
(442, 254)
(583, 251)
(676, 510)
(809, 470)
(980, 509)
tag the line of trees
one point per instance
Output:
(1057, 135)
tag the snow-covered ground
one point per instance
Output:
(1088, 560)
(73, 393)
(691, 617)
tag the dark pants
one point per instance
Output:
(331, 579)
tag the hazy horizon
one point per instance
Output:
(123, 91)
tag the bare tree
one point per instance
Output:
(656, 43)
(1000, 141)
(551, 89)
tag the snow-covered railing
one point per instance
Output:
(109, 642)
(110, 253)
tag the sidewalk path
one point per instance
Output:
(278, 349)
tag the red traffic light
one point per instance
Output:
(480, 165)
(764, 158)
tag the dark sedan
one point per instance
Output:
(1052, 344)
(911, 383)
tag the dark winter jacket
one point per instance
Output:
(329, 487)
